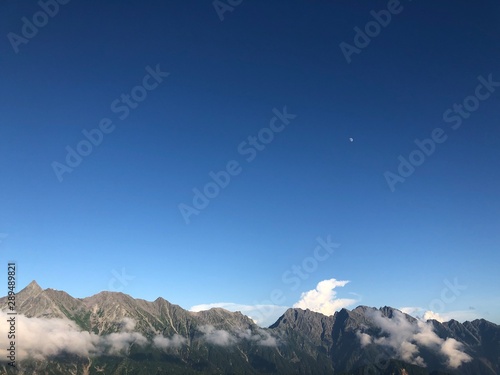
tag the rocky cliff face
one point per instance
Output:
(113, 333)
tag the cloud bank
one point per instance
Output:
(225, 338)
(404, 337)
(175, 341)
(40, 338)
(63, 336)
(323, 299)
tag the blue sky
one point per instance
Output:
(118, 209)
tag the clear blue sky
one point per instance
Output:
(119, 208)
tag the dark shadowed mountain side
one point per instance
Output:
(113, 333)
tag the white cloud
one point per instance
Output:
(224, 338)
(64, 336)
(128, 324)
(261, 337)
(323, 298)
(268, 341)
(404, 337)
(428, 315)
(399, 336)
(364, 338)
(453, 349)
(262, 315)
(217, 336)
(39, 337)
(426, 335)
(175, 341)
(119, 342)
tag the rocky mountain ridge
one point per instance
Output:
(112, 332)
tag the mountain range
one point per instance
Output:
(113, 333)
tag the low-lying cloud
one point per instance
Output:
(225, 338)
(217, 336)
(405, 337)
(63, 336)
(175, 341)
(59, 336)
(119, 342)
(127, 324)
(323, 298)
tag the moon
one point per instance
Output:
(351, 139)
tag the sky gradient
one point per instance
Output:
(328, 170)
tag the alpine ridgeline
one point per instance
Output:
(113, 333)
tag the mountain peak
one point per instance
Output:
(32, 287)
(300, 342)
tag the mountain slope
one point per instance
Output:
(113, 333)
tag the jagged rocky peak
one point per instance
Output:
(388, 311)
(301, 319)
(32, 288)
(362, 309)
(160, 300)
